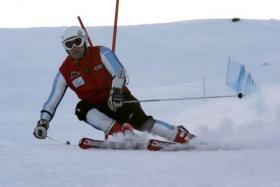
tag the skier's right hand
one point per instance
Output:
(40, 131)
(116, 99)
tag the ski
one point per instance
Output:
(152, 145)
(156, 145)
(88, 143)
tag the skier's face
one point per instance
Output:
(75, 47)
(77, 52)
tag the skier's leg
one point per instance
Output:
(177, 134)
(91, 115)
(133, 114)
(142, 122)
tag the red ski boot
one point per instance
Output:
(183, 135)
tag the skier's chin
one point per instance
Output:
(76, 55)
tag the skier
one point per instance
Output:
(98, 78)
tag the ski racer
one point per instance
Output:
(98, 78)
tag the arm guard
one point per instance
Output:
(114, 66)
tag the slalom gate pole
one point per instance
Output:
(59, 141)
(115, 26)
(240, 95)
(82, 25)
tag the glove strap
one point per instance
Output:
(116, 90)
(43, 123)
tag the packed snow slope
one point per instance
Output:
(163, 61)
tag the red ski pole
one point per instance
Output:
(115, 26)
(82, 25)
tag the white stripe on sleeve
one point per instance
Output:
(58, 90)
(114, 66)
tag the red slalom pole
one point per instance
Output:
(115, 26)
(82, 25)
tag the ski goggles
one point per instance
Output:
(70, 43)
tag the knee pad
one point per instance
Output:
(82, 109)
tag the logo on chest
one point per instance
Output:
(78, 82)
(74, 74)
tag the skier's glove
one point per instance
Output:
(116, 99)
(40, 131)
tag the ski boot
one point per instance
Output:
(183, 135)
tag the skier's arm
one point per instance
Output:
(114, 66)
(118, 72)
(58, 90)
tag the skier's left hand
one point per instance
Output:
(116, 99)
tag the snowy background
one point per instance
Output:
(163, 61)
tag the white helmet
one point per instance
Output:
(72, 32)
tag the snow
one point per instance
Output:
(163, 61)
